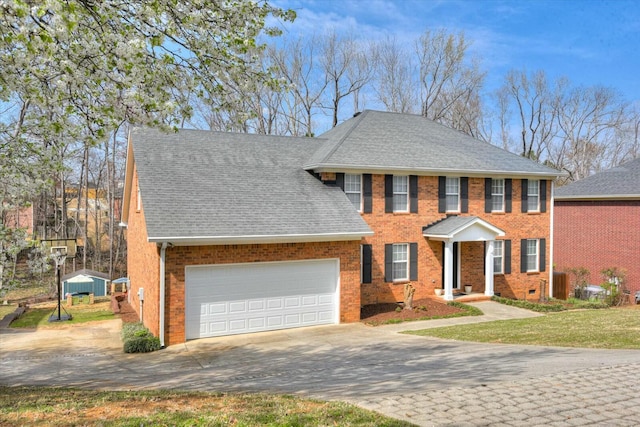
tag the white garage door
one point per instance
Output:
(240, 298)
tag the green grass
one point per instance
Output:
(613, 328)
(36, 317)
(69, 407)
(6, 309)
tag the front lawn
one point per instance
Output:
(68, 407)
(605, 328)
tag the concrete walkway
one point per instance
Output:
(423, 380)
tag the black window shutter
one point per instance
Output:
(543, 195)
(413, 194)
(388, 263)
(508, 192)
(523, 256)
(525, 194)
(340, 180)
(366, 263)
(464, 194)
(542, 243)
(507, 256)
(487, 195)
(367, 193)
(413, 261)
(442, 194)
(388, 193)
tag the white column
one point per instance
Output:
(448, 270)
(488, 267)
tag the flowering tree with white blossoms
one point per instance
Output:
(73, 71)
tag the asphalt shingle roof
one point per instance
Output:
(203, 185)
(620, 182)
(376, 140)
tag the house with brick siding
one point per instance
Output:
(597, 224)
(236, 233)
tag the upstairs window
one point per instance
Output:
(452, 193)
(353, 190)
(497, 195)
(400, 193)
(533, 195)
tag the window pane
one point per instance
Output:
(352, 183)
(497, 256)
(533, 192)
(452, 189)
(532, 255)
(497, 195)
(355, 200)
(400, 184)
(400, 193)
(352, 188)
(400, 258)
(400, 202)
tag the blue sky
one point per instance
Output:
(592, 42)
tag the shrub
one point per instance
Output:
(138, 339)
(541, 308)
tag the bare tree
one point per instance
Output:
(535, 107)
(395, 77)
(347, 69)
(590, 118)
(298, 63)
(450, 82)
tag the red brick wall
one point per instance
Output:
(407, 228)
(143, 263)
(598, 235)
(178, 257)
(20, 218)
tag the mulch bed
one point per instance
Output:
(423, 308)
(127, 314)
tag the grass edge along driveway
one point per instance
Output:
(605, 329)
(68, 407)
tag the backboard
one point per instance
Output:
(67, 247)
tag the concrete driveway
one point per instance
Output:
(426, 381)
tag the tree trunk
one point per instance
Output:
(409, 290)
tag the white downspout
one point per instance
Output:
(551, 240)
(163, 250)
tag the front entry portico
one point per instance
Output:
(455, 229)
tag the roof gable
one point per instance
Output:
(462, 229)
(375, 140)
(620, 182)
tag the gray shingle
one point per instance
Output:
(377, 140)
(204, 185)
(621, 182)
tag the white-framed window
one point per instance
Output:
(498, 257)
(533, 195)
(532, 254)
(452, 193)
(400, 261)
(497, 195)
(353, 190)
(400, 193)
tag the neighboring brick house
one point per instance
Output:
(597, 224)
(234, 233)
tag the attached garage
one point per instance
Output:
(232, 299)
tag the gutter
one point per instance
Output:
(163, 250)
(551, 239)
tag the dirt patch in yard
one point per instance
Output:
(376, 314)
